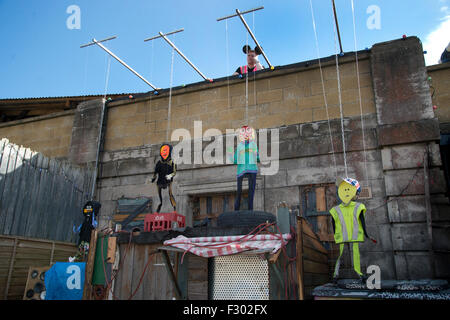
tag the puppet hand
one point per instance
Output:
(153, 180)
(169, 176)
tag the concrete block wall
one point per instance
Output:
(440, 81)
(85, 132)
(400, 125)
(49, 134)
(275, 98)
(408, 130)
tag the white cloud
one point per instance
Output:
(444, 9)
(436, 41)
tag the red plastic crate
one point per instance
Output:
(163, 221)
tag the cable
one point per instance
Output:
(323, 88)
(340, 98)
(170, 98)
(360, 98)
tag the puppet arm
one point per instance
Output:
(363, 223)
(174, 168)
(155, 173)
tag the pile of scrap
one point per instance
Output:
(349, 289)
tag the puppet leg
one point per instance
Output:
(160, 199)
(237, 203)
(251, 189)
(356, 258)
(338, 261)
(172, 198)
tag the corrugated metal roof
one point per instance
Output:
(69, 97)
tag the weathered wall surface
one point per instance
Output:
(440, 81)
(277, 98)
(408, 132)
(49, 134)
(400, 124)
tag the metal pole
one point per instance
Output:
(166, 34)
(253, 37)
(243, 12)
(337, 25)
(122, 62)
(97, 158)
(183, 56)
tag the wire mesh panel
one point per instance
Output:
(240, 277)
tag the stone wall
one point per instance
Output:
(275, 98)
(399, 120)
(440, 81)
(49, 134)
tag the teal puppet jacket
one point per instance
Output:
(246, 158)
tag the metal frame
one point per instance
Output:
(240, 15)
(337, 25)
(162, 35)
(98, 43)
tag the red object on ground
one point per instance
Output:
(163, 221)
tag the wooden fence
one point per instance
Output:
(17, 254)
(40, 197)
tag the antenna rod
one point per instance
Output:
(337, 25)
(243, 12)
(162, 35)
(94, 41)
(253, 37)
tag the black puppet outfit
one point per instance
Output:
(162, 169)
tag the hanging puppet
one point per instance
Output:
(253, 63)
(166, 169)
(246, 158)
(91, 211)
(348, 223)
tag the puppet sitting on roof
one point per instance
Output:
(348, 223)
(253, 63)
(166, 169)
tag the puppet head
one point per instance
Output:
(165, 151)
(246, 133)
(251, 54)
(348, 189)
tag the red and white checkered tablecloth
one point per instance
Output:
(220, 246)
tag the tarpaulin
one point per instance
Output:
(220, 246)
(65, 281)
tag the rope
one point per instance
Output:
(340, 99)
(86, 62)
(150, 99)
(254, 73)
(246, 88)
(228, 61)
(360, 98)
(170, 98)
(323, 88)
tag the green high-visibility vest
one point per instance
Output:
(347, 223)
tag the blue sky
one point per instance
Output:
(40, 56)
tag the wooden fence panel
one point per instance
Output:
(40, 197)
(17, 254)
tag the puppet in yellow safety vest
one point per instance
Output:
(348, 222)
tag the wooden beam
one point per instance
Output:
(87, 292)
(171, 274)
(11, 266)
(111, 251)
(274, 257)
(299, 264)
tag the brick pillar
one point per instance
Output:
(407, 128)
(84, 143)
